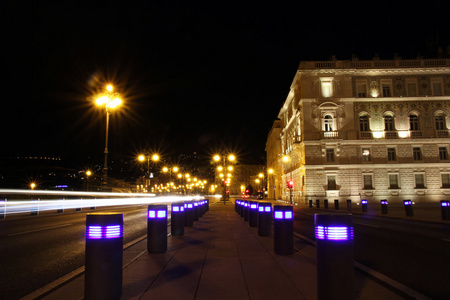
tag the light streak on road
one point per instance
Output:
(35, 206)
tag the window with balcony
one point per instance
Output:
(393, 181)
(417, 153)
(413, 122)
(420, 181)
(391, 154)
(330, 155)
(389, 124)
(328, 123)
(331, 182)
(368, 179)
(439, 121)
(364, 123)
(443, 153)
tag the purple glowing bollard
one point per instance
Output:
(334, 247)
(264, 218)
(408, 208)
(157, 228)
(253, 214)
(283, 229)
(177, 219)
(364, 205)
(104, 256)
(445, 209)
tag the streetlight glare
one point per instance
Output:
(231, 157)
(141, 157)
(88, 173)
(155, 157)
(109, 87)
(165, 169)
(285, 158)
(216, 157)
(270, 171)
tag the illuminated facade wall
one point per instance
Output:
(367, 130)
(273, 150)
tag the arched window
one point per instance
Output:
(439, 121)
(413, 122)
(364, 123)
(328, 123)
(389, 123)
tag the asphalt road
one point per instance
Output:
(37, 250)
(414, 253)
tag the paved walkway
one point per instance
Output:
(222, 257)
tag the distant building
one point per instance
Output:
(273, 150)
(365, 130)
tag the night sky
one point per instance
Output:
(195, 75)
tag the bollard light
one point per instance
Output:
(103, 256)
(364, 203)
(384, 208)
(157, 228)
(283, 229)
(253, 214)
(264, 218)
(445, 209)
(177, 219)
(408, 208)
(334, 248)
(189, 213)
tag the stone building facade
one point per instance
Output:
(365, 130)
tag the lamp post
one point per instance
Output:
(226, 167)
(110, 100)
(142, 158)
(88, 175)
(170, 170)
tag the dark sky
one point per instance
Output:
(195, 75)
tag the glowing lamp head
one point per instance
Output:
(109, 88)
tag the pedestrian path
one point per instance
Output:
(222, 257)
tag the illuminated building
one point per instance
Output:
(371, 130)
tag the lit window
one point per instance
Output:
(366, 154)
(328, 123)
(327, 87)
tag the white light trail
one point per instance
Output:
(35, 206)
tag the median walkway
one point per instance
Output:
(222, 257)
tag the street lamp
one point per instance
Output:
(170, 170)
(226, 166)
(88, 174)
(110, 100)
(142, 158)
